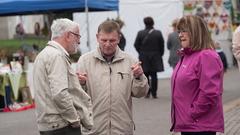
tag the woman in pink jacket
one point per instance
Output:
(197, 82)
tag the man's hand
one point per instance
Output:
(82, 77)
(137, 69)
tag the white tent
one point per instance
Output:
(132, 13)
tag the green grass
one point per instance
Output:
(11, 46)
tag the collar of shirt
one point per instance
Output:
(119, 55)
(185, 51)
(58, 45)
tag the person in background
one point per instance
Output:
(222, 55)
(37, 29)
(236, 45)
(111, 77)
(122, 42)
(149, 44)
(173, 45)
(19, 29)
(62, 106)
(197, 82)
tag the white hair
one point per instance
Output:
(62, 25)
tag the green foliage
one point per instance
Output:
(75, 57)
(11, 46)
(45, 30)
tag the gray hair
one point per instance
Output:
(62, 25)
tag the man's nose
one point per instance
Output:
(108, 42)
(78, 41)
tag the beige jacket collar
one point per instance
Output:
(60, 48)
(118, 55)
(57, 45)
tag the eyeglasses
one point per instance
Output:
(75, 34)
(182, 30)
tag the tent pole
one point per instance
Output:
(118, 14)
(87, 21)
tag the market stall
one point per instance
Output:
(13, 84)
(14, 90)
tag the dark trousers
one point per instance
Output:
(8, 93)
(63, 131)
(198, 133)
(152, 83)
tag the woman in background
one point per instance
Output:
(173, 45)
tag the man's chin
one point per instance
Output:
(108, 54)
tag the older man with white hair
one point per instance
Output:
(61, 104)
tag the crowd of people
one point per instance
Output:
(97, 98)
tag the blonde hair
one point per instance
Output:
(109, 26)
(199, 34)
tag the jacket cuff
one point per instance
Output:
(139, 78)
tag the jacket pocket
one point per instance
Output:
(124, 82)
(185, 118)
(191, 115)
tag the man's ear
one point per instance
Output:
(97, 36)
(67, 36)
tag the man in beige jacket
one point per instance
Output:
(111, 77)
(62, 106)
(236, 45)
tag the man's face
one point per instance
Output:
(108, 42)
(74, 41)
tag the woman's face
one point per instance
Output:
(184, 38)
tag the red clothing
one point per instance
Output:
(197, 87)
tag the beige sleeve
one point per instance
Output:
(236, 45)
(81, 68)
(140, 87)
(58, 79)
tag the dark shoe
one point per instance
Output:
(147, 96)
(155, 97)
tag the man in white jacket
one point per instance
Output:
(62, 106)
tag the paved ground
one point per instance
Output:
(232, 121)
(152, 116)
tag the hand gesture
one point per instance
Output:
(137, 69)
(82, 77)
